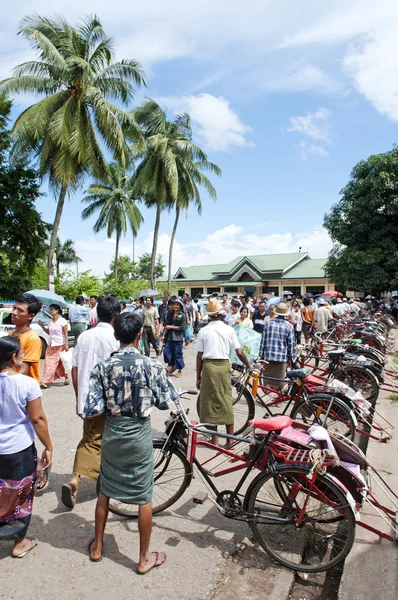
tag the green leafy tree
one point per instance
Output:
(65, 254)
(66, 131)
(144, 267)
(364, 225)
(127, 269)
(70, 285)
(112, 196)
(23, 233)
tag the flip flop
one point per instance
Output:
(33, 544)
(157, 564)
(89, 551)
(178, 375)
(67, 496)
(43, 474)
(43, 386)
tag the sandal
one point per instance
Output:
(33, 544)
(44, 386)
(89, 550)
(67, 496)
(44, 474)
(156, 563)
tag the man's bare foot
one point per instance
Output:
(154, 559)
(95, 551)
(23, 546)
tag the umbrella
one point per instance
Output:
(143, 293)
(308, 295)
(287, 293)
(274, 300)
(332, 293)
(267, 296)
(48, 298)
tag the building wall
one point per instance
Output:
(299, 286)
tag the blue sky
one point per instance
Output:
(285, 96)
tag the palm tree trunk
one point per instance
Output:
(155, 245)
(117, 253)
(54, 233)
(173, 234)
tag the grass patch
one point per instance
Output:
(393, 397)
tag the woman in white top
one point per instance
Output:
(21, 417)
(57, 329)
(233, 316)
(244, 317)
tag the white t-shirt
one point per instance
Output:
(216, 341)
(93, 346)
(93, 316)
(56, 334)
(16, 430)
(231, 318)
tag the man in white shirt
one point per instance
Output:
(92, 313)
(93, 346)
(322, 316)
(214, 345)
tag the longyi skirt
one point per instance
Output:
(127, 460)
(215, 402)
(17, 479)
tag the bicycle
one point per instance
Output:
(302, 518)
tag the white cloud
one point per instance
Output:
(215, 121)
(315, 127)
(217, 247)
(302, 78)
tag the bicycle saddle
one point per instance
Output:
(272, 424)
(298, 373)
(336, 353)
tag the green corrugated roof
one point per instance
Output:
(265, 263)
(311, 268)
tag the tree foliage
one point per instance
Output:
(66, 131)
(65, 254)
(364, 227)
(70, 285)
(23, 234)
(144, 267)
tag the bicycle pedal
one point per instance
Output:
(200, 498)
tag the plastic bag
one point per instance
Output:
(66, 359)
(250, 343)
(189, 333)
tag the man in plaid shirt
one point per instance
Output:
(277, 346)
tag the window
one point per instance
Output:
(315, 289)
(181, 293)
(270, 290)
(231, 290)
(213, 290)
(196, 292)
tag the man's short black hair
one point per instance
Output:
(235, 303)
(127, 326)
(149, 298)
(262, 302)
(34, 305)
(79, 299)
(94, 297)
(107, 308)
(306, 302)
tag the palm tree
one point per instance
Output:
(169, 160)
(66, 131)
(113, 196)
(65, 254)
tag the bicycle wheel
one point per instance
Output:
(327, 529)
(243, 405)
(172, 476)
(339, 418)
(360, 379)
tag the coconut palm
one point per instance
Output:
(65, 254)
(169, 160)
(66, 131)
(112, 195)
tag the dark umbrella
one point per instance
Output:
(308, 295)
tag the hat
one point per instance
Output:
(344, 299)
(215, 308)
(282, 310)
(321, 301)
(339, 300)
(176, 301)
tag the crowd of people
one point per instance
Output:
(117, 384)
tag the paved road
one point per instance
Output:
(208, 556)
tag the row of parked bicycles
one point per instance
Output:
(303, 478)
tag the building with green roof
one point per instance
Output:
(296, 272)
